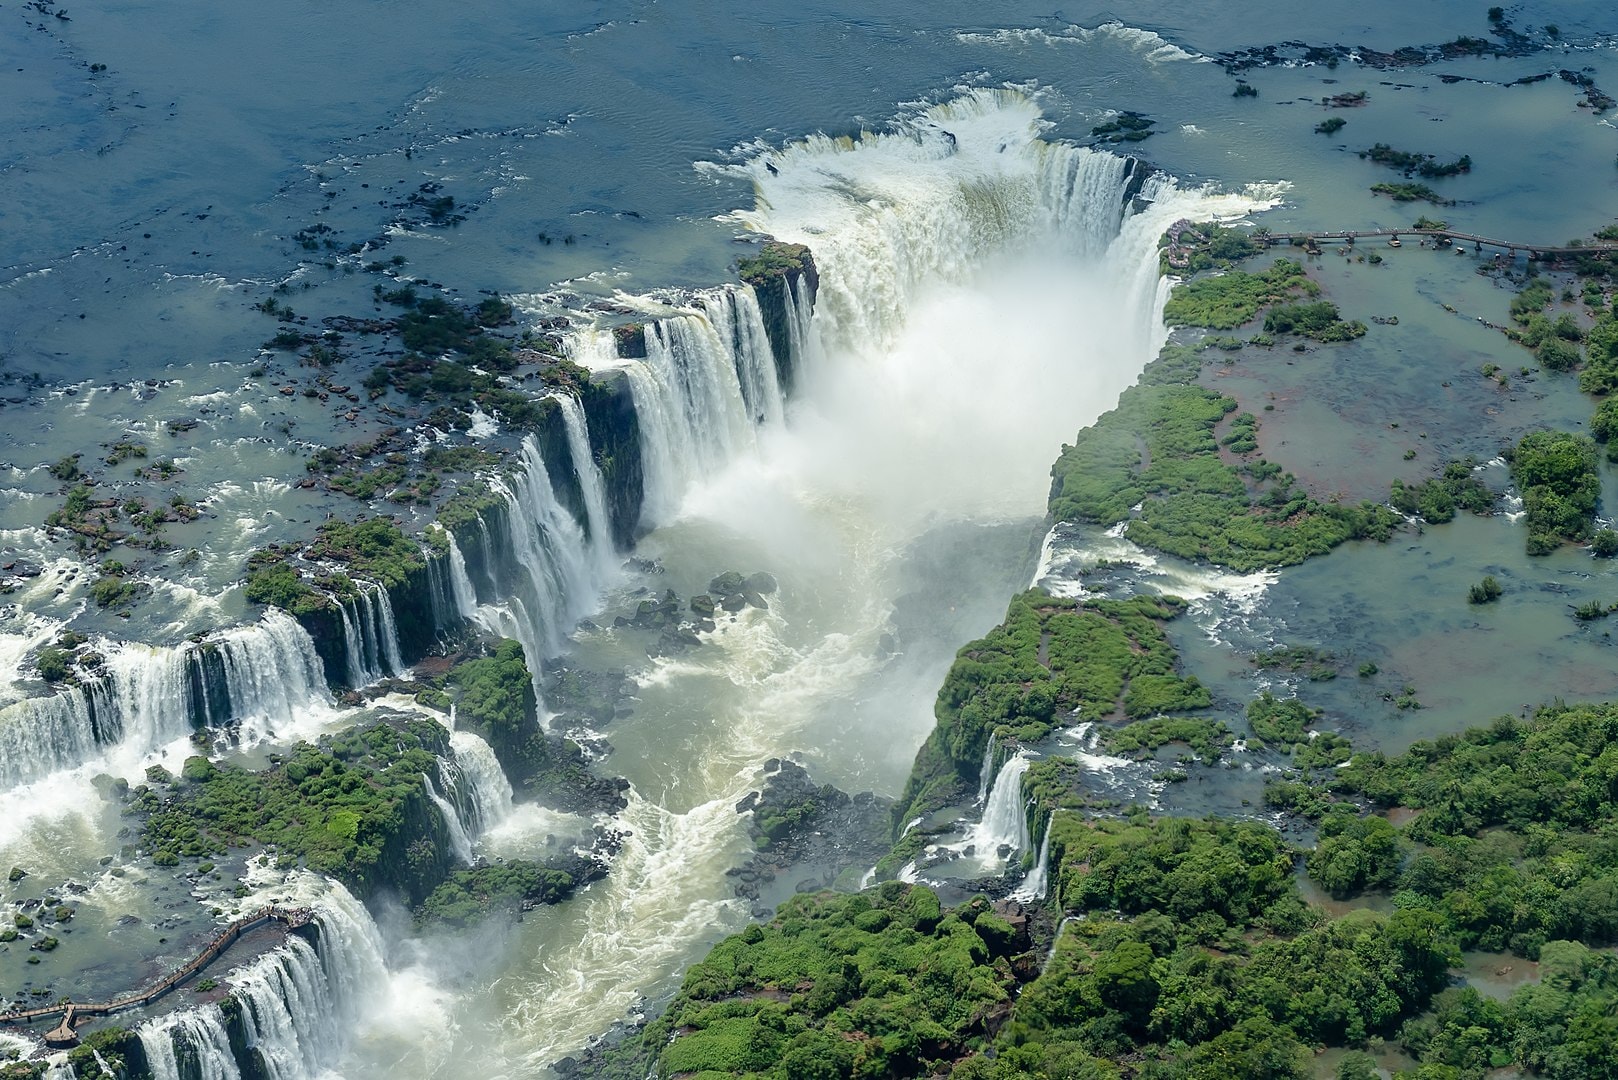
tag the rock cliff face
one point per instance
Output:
(782, 276)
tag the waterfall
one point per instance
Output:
(596, 520)
(360, 672)
(986, 771)
(370, 635)
(297, 1004)
(388, 629)
(560, 574)
(288, 1012)
(1035, 885)
(708, 381)
(40, 736)
(459, 842)
(485, 785)
(735, 314)
(190, 1045)
(460, 583)
(891, 215)
(272, 673)
(262, 675)
(1005, 816)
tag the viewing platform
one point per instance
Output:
(63, 1035)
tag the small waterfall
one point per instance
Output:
(189, 1045)
(597, 522)
(486, 789)
(1036, 884)
(986, 771)
(360, 672)
(737, 311)
(370, 636)
(1005, 817)
(387, 629)
(297, 1004)
(460, 583)
(459, 842)
(288, 1012)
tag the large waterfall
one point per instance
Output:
(557, 573)
(708, 383)
(983, 294)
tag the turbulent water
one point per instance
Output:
(985, 289)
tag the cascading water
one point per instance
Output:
(562, 574)
(459, 842)
(40, 736)
(982, 296)
(262, 676)
(1005, 815)
(486, 789)
(1035, 885)
(297, 1002)
(597, 523)
(986, 771)
(370, 635)
(190, 1045)
(709, 381)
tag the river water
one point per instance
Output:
(982, 297)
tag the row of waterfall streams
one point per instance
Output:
(983, 293)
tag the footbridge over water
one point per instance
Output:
(63, 1034)
(1444, 237)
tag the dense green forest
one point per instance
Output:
(1183, 948)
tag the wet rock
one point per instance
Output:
(761, 583)
(727, 584)
(703, 605)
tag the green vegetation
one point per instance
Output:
(1486, 591)
(101, 1054)
(494, 697)
(373, 548)
(1320, 321)
(1556, 472)
(1205, 246)
(1424, 165)
(1437, 499)
(1408, 192)
(1050, 659)
(1158, 450)
(53, 663)
(355, 808)
(1600, 374)
(1206, 737)
(1196, 959)
(1234, 298)
(1331, 125)
(271, 580)
(470, 895)
(774, 260)
(1316, 665)
(496, 691)
(1513, 846)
